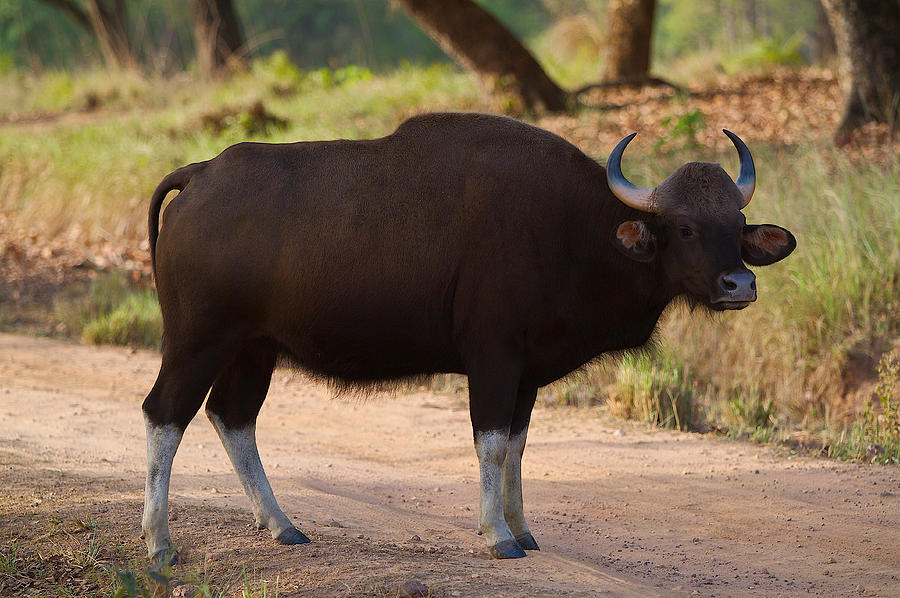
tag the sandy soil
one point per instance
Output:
(386, 488)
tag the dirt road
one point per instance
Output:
(386, 488)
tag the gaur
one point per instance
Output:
(460, 243)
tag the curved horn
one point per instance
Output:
(746, 181)
(639, 198)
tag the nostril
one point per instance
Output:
(738, 284)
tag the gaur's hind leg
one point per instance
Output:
(492, 401)
(184, 378)
(512, 470)
(236, 398)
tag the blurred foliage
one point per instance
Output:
(314, 33)
(567, 35)
(681, 131)
(683, 27)
(765, 53)
(34, 35)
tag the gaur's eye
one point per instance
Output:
(685, 232)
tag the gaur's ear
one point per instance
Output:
(635, 240)
(764, 244)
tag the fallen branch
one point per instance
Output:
(631, 82)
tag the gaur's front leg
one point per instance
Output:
(513, 510)
(490, 446)
(493, 390)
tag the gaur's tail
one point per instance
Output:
(174, 180)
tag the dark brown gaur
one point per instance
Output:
(459, 243)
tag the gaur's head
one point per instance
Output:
(695, 228)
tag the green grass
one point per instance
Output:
(99, 172)
(765, 54)
(78, 306)
(135, 321)
(656, 391)
(54, 91)
(9, 557)
(875, 436)
(136, 582)
(111, 310)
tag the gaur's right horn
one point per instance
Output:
(639, 198)
(746, 181)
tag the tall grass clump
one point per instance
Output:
(77, 305)
(136, 321)
(111, 310)
(9, 558)
(656, 390)
(876, 435)
(746, 416)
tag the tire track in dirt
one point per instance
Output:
(386, 487)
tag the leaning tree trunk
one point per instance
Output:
(478, 41)
(867, 34)
(630, 32)
(217, 34)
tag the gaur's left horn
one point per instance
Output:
(746, 180)
(639, 198)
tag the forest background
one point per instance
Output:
(378, 35)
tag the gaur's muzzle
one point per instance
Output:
(737, 289)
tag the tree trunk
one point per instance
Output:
(630, 32)
(868, 46)
(823, 38)
(217, 34)
(478, 41)
(108, 21)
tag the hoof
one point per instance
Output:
(527, 542)
(507, 549)
(164, 558)
(292, 536)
